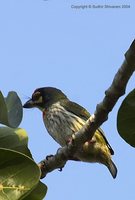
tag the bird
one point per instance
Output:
(63, 118)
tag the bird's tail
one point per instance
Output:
(112, 168)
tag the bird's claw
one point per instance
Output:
(59, 149)
(71, 140)
(60, 169)
(49, 156)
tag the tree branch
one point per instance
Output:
(112, 94)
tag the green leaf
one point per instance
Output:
(14, 139)
(17, 139)
(38, 193)
(10, 110)
(19, 175)
(126, 119)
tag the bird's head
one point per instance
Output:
(44, 97)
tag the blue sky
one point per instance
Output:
(49, 43)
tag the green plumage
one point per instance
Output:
(84, 114)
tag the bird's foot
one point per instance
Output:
(70, 140)
(49, 156)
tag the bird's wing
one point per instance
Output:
(76, 109)
(84, 114)
(109, 146)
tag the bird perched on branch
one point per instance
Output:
(63, 118)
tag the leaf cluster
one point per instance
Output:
(19, 174)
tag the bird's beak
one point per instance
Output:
(29, 104)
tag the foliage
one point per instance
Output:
(10, 110)
(19, 174)
(126, 119)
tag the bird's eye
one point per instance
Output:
(36, 96)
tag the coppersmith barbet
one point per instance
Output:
(63, 118)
